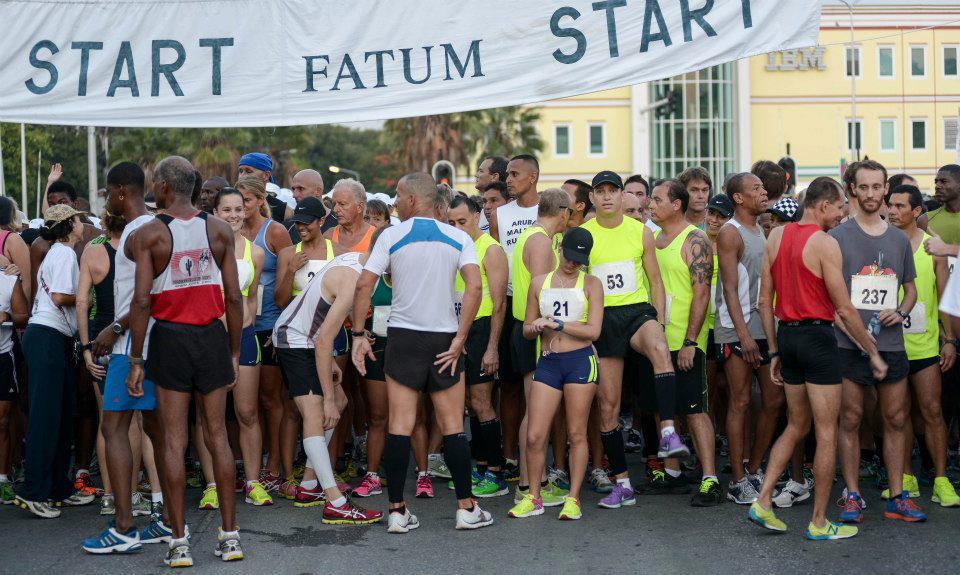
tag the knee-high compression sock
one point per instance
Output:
(477, 449)
(613, 446)
(651, 435)
(396, 458)
(666, 386)
(492, 437)
(456, 452)
(319, 458)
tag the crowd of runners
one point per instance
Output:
(516, 342)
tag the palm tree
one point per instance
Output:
(509, 131)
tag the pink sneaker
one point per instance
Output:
(288, 489)
(269, 481)
(369, 486)
(424, 487)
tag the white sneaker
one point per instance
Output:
(742, 492)
(472, 519)
(791, 493)
(402, 523)
(437, 467)
(599, 481)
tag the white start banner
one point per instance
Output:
(199, 63)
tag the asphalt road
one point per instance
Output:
(662, 534)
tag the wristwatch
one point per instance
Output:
(116, 327)
(135, 360)
(361, 333)
(689, 343)
(559, 324)
(902, 314)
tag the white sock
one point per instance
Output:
(714, 477)
(422, 474)
(309, 484)
(339, 501)
(156, 497)
(316, 448)
(211, 485)
(625, 482)
(434, 456)
(373, 474)
(667, 431)
(673, 472)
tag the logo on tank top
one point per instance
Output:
(191, 267)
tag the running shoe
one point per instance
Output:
(437, 467)
(159, 532)
(904, 509)
(156, 509)
(75, 500)
(255, 494)
(309, 497)
(491, 486)
(709, 494)
(765, 518)
(352, 470)
(742, 492)
(552, 496)
(342, 485)
(195, 479)
(269, 480)
(475, 479)
(868, 468)
(791, 493)
(84, 484)
(473, 518)
(140, 506)
(228, 545)
(107, 505)
(402, 522)
(369, 486)
(38, 508)
(7, 494)
(662, 483)
(287, 489)
(621, 496)
(944, 493)
(910, 484)
(633, 442)
(424, 487)
(599, 481)
(672, 446)
(756, 480)
(178, 553)
(881, 479)
(559, 477)
(519, 494)
(527, 507)
(853, 506)
(571, 509)
(830, 531)
(349, 514)
(209, 501)
(112, 541)
(511, 470)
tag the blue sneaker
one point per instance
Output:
(158, 532)
(491, 486)
(904, 509)
(853, 507)
(112, 541)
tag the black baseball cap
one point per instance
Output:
(608, 177)
(309, 210)
(722, 203)
(576, 245)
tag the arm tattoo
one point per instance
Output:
(701, 259)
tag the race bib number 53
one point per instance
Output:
(618, 278)
(874, 293)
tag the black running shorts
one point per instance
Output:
(299, 369)
(410, 356)
(856, 368)
(523, 351)
(808, 354)
(476, 347)
(619, 325)
(185, 357)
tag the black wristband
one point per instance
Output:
(773, 354)
(361, 333)
(689, 343)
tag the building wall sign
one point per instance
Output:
(802, 59)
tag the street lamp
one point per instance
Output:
(338, 169)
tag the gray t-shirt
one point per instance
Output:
(748, 283)
(889, 254)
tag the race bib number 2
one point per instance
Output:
(618, 278)
(874, 293)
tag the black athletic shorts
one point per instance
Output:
(298, 366)
(523, 351)
(918, 365)
(189, 357)
(375, 366)
(410, 355)
(856, 368)
(265, 341)
(809, 354)
(506, 374)
(619, 325)
(8, 377)
(725, 349)
(476, 346)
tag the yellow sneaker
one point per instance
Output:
(944, 493)
(528, 507)
(910, 484)
(209, 501)
(571, 509)
(256, 494)
(765, 518)
(830, 531)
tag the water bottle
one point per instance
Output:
(874, 328)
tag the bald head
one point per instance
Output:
(305, 184)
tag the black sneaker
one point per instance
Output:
(709, 494)
(663, 483)
(511, 471)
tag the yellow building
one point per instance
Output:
(894, 96)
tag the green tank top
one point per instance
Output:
(306, 272)
(520, 273)
(380, 302)
(617, 261)
(482, 244)
(921, 331)
(567, 304)
(676, 284)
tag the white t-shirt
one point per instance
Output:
(950, 302)
(512, 219)
(58, 273)
(7, 285)
(423, 256)
(124, 270)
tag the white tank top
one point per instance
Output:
(512, 219)
(123, 276)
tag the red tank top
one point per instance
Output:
(189, 290)
(800, 294)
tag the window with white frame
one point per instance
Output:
(918, 60)
(853, 61)
(888, 135)
(918, 134)
(561, 140)
(596, 139)
(854, 134)
(885, 68)
(950, 54)
(950, 128)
